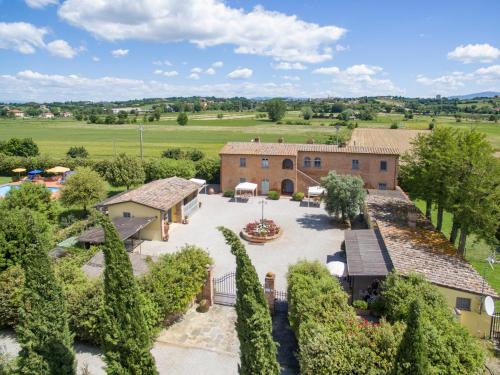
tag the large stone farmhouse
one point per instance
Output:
(290, 168)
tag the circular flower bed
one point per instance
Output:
(261, 231)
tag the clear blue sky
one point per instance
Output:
(118, 49)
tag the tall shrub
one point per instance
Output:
(127, 340)
(253, 325)
(125, 171)
(412, 355)
(43, 332)
(454, 350)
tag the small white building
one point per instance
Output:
(46, 115)
(15, 113)
(66, 114)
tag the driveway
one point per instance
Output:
(308, 234)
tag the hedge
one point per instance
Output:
(175, 279)
(167, 290)
(163, 168)
(331, 339)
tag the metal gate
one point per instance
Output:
(495, 327)
(225, 289)
(280, 302)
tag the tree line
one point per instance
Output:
(456, 171)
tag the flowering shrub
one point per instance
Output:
(265, 228)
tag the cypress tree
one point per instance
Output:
(126, 338)
(43, 332)
(412, 354)
(253, 323)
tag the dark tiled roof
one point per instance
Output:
(292, 149)
(159, 194)
(422, 249)
(366, 253)
(125, 226)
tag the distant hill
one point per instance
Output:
(484, 94)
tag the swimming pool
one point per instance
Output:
(4, 189)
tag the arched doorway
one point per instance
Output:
(287, 186)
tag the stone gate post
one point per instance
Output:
(269, 290)
(208, 287)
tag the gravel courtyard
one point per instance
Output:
(308, 234)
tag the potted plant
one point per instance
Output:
(361, 307)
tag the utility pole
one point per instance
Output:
(262, 203)
(141, 130)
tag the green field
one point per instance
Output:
(476, 251)
(203, 131)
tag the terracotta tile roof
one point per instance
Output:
(125, 226)
(292, 149)
(159, 194)
(422, 249)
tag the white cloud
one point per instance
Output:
(218, 64)
(162, 62)
(360, 80)
(210, 71)
(120, 52)
(486, 78)
(289, 66)
(34, 86)
(471, 53)
(171, 73)
(40, 3)
(61, 48)
(95, 59)
(26, 38)
(327, 70)
(158, 71)
(196, 70)
(205, 23)
(240, 73)
(341, 48)
(21, 37)
(291, 78)
(194, 76)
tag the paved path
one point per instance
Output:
(201, 344)
(308, 234)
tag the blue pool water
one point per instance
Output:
(6, 188)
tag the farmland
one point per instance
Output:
(204, 131)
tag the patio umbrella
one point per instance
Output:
(337, 268)
(35, 171)
(58, 169)
(19, 171)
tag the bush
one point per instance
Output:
(11, 286)
(273, 195)
(298, 196)
(454, 351)
(175, 279)
(194, 154)
(209, 170)
(395, 125)
(228, 194)
(182, 118)
(360, 304)
(331, 339)
(173, 153)
(77, 152)
(163, 168)
(276, 109)
(19, 147)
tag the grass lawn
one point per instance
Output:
(204, 131)
(476, 251)
(4, 180)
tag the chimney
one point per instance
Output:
(412, 216)
(257, 139)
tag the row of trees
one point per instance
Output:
(456, 171)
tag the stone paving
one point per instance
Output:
(309, 233)
(213, 330)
